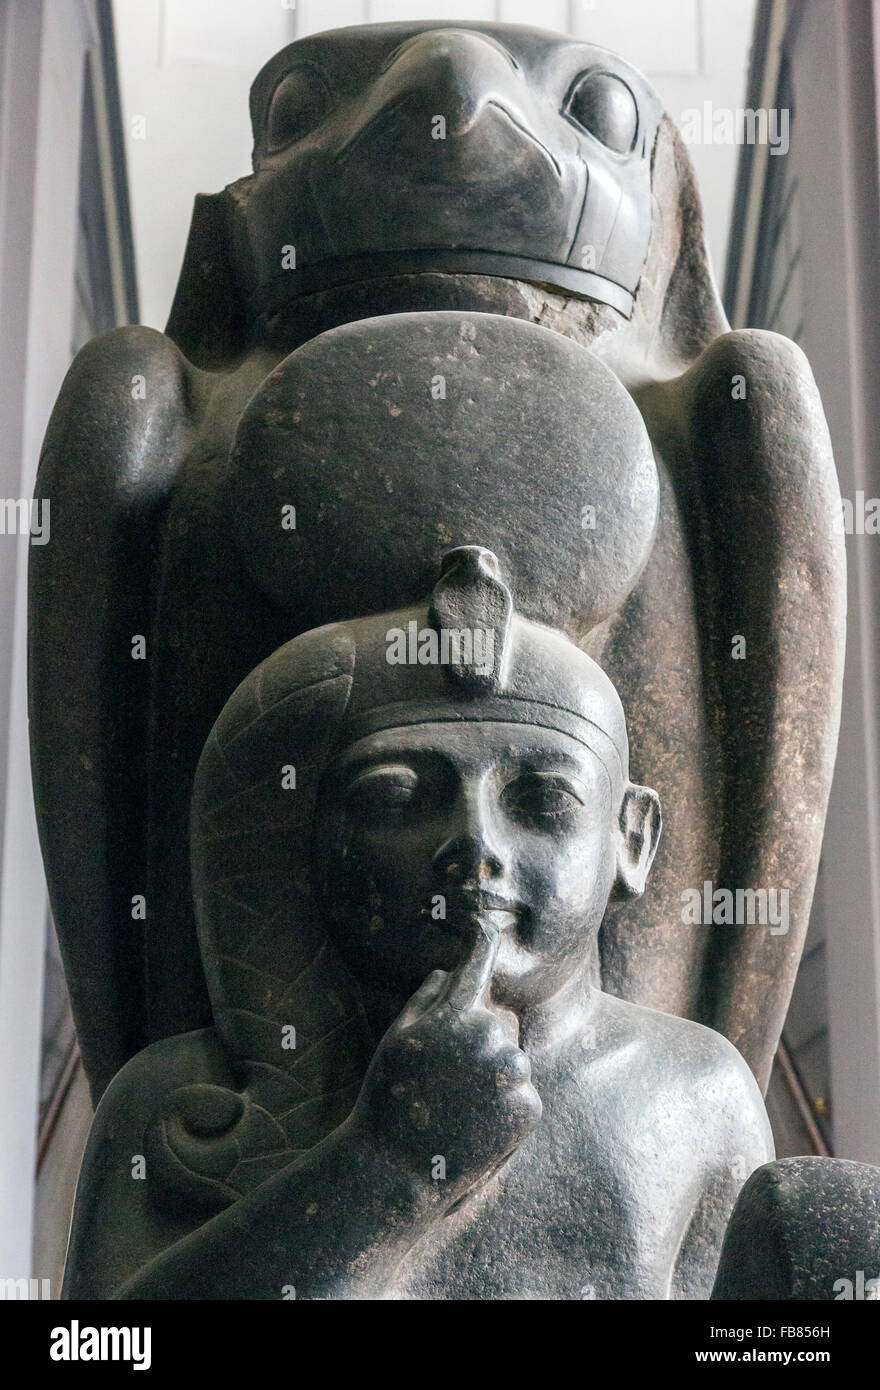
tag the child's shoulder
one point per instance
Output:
(670, 1053)
(630, 1024)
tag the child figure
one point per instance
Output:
(415, 1087)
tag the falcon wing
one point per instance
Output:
(115, 440)
(730, 662)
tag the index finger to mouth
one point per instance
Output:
(469, 983)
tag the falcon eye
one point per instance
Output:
(604, 106)
(300, 101)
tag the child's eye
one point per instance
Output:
(542, 795)
(383, 789)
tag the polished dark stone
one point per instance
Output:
(510, 339)
(805, 1228)
(423, 906)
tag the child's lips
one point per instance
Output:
(493, 911)
(498, 918)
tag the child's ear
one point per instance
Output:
(639, 830)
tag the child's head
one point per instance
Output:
(404, 781)
(494, 798)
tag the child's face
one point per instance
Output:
(429, 834)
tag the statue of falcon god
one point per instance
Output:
(462, 306)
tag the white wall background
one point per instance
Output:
(186, 67)
(42, 49)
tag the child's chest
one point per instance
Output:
(572, 1215)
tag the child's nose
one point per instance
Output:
(471, 847)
